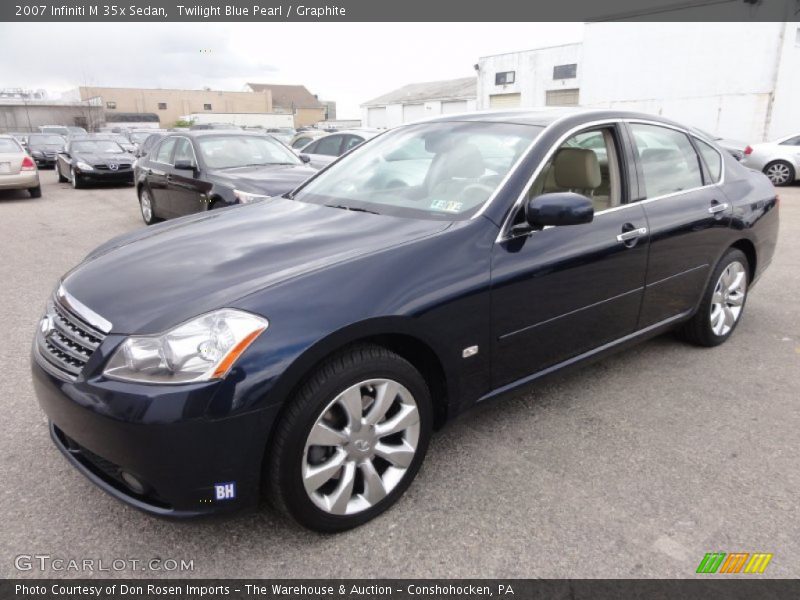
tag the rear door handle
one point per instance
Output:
(632, 234)
(715, 208)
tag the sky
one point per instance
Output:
(350, 63)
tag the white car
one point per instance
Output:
(778, 160)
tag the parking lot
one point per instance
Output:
(633, 467)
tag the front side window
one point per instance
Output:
(586, 164)
(350, 142)
(794, 141)
(329, 146)
(183, 151)
(231, 151)
(669, 162)
(300, 142)
(712, 158)
(442, 170)
(164, 153)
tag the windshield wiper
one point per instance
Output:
(372, 212)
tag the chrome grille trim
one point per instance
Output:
(66, 341)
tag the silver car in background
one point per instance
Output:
(778, 160)
(17, 169)
(322, 152)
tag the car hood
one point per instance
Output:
(102, 158)
(155, 278)
(271, 180)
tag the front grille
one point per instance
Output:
(65, 341)
(122, 167)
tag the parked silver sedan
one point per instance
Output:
(778, 160)
(17, 169)
(322, 152)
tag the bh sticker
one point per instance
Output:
(225, 491)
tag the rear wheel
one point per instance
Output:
(351, 441)
(780, 172)
(35, 192)
(723, 302)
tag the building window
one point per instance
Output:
(797, 37)
(111, 105)
(206, 107)
(504, 78)
(565, 71)
(562, 97)
(162, 106)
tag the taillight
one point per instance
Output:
(28, 164)
(748, 151)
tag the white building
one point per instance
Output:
(418, 101)
(736, 80)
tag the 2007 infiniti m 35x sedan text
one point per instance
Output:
(308, 345)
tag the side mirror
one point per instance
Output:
(185, 165)
(305, 158)
(557, 209)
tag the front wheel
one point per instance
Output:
(722, 304)
(75, 178)
(351, 440)
(147, 206)
(780, 172)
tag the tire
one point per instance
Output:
(780, 172)
(363, 372)
(75, 179)
(35, 192)
(703, 329)
(146, 198)
(217, 204)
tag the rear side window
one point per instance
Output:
(9, 145)
(669, 161)
(795, 141)
(712, 159)
(351, 141)
(164, 153)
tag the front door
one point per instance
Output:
(562, 291)
(186, 191)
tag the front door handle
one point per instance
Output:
(717, 207)
(632, 234)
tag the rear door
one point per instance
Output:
(687, 213)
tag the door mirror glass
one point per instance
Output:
(184, 165)
(305, 158)
(558, 208)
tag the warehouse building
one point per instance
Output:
(294, 100)
(420, 101)
(170, 104)
(736, 80)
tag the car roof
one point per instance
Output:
(546, 116)
(200, 133)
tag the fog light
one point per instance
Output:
(133, 482)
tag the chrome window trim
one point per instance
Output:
(82, 311)
(503, 234)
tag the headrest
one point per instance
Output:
(577, 168)
(464, 161)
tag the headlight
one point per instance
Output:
(83, 166)
(247, 197)
(201, 349)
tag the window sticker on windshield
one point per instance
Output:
(447, 205)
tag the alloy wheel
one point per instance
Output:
(778, 173)
(147, 206)
(361, 446)
(73, 177)
(728, 299)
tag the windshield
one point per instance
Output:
(58, 130)
(99, 146)
(46, 139)
(432, 170)
(230, 151)
(140, 136)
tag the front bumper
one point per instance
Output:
(161, 436)
(23, 180)
(109, 176)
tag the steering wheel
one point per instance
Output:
(479, 187)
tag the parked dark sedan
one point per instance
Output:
(43, 148)
(88, 159)
(311, 343)
(202, 170)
